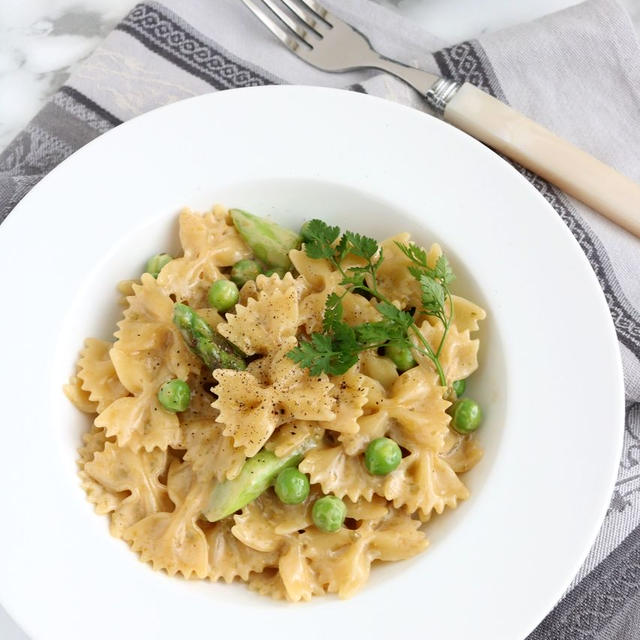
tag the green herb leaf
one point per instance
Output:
(390, 311)
(443, 270)
(415, 253)
(322, 355)
(432, 295)
(333, 312)
(315, 354)
(319, 238)
(355, 281)
(342, 249)
(372, 334)
(361, 245)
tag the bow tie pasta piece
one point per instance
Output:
(302, 396)
(210, 453)
(266, 322)
(289, 437)
(125, 289)
(461, 453)
(298, 577)
(341, 560)
(120, 470)
(414, 414)
(317, 274)
(78, 396)
(209, 241)
(397, 526)
(350, 391)
(417, 405)
(92, 442)
(98, 374)
(380, 368)
(395, 536)
(252, 407)
(149, 351)
(140, 422)
(321, 545)
(147, 331)
(266, 523)
(95, 384)
(467, 314)
(255, 530)
(229, 558)
(103, 500)
(174, 541)
(136, 370)
(423, 483)
(356, 394)
(374, 422)
(269, 526)
(372, 426)
(248, 411)
(459, 355)
(321, 280)
(347, 573)
(340, 474)
(393, 280)
(358, 310)
(211, 316)
(373, 509)
(248, 291)
(268, 583)
(200, 405)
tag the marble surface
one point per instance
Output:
(42, 40)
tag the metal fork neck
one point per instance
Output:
(440, 93)
(437, 91)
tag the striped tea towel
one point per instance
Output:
(577, 72)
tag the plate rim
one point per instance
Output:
(121, 130)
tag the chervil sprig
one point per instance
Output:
(336, 349)
(434, 286)
(320, 242)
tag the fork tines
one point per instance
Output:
(306, 21)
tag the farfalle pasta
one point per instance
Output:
(287, 430)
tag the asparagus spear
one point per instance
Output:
(269, 241)
(214, 350)
(256, 476)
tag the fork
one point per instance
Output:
(328, 43)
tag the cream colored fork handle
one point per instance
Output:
(573, 170)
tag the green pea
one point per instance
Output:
(245, 270)
(382, 456)
(223, 294)
(292, 486)
(401, 356)
(466, 415)
(174, 395)
(155, 263)
(458, 387)
(279, 270)
(328, 513)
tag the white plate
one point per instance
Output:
(550, 379)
